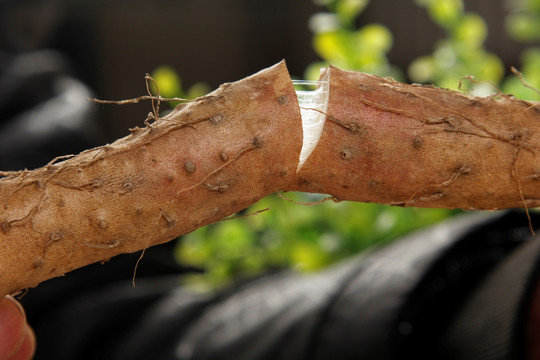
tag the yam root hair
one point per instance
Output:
(422, 146)
(383, 141)
(208, 159)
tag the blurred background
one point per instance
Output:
(55, 53)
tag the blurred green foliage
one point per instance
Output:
(523, 24)
(461, 53)
(303, 237)
(169, 84)
(530, 71)
(524, 21)
(337, 40)
(308, 238)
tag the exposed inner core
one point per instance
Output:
(313, 100)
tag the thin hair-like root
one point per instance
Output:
(20, 294)
(328, 198)
(516, 178)
(154, 99)
(234, 158)
(234, 217)
(523, 81)
(155, 108)
(474, 81)
(137, 265)
(213, 172)
(138, 99)
(351, 126)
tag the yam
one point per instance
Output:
(383, 141)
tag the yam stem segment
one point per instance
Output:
(205, 161)
(422, 146)
(381, 141)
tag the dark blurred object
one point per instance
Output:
(27, 25)
(459, 290)
(43, 108)
(113, 44)
(44, 111)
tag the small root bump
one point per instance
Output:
(216, 119)
(56, 236)
(136, 130)
(283, 99)
(103, 224)
(257, 142)
(171, 223)
(126, 187)
(221, 188)
(190, 167)
(5, 226)
(346, 154)
(38, 263)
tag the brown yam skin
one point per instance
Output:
(206, 160)
(413, 145)
(383, 141)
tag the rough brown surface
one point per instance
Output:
(206, 160)
(383, 141)
(414, 145)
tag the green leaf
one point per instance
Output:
(446, 12)
(533, 5)
(168, 81)
(374, 38)
(348, 10)
(423, 70)
(471, 31)
(197, 90)
(490, 68)
(332, 46)
(308, 257)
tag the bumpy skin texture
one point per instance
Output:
(385, 142)
(205, 161)
(414, 145)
